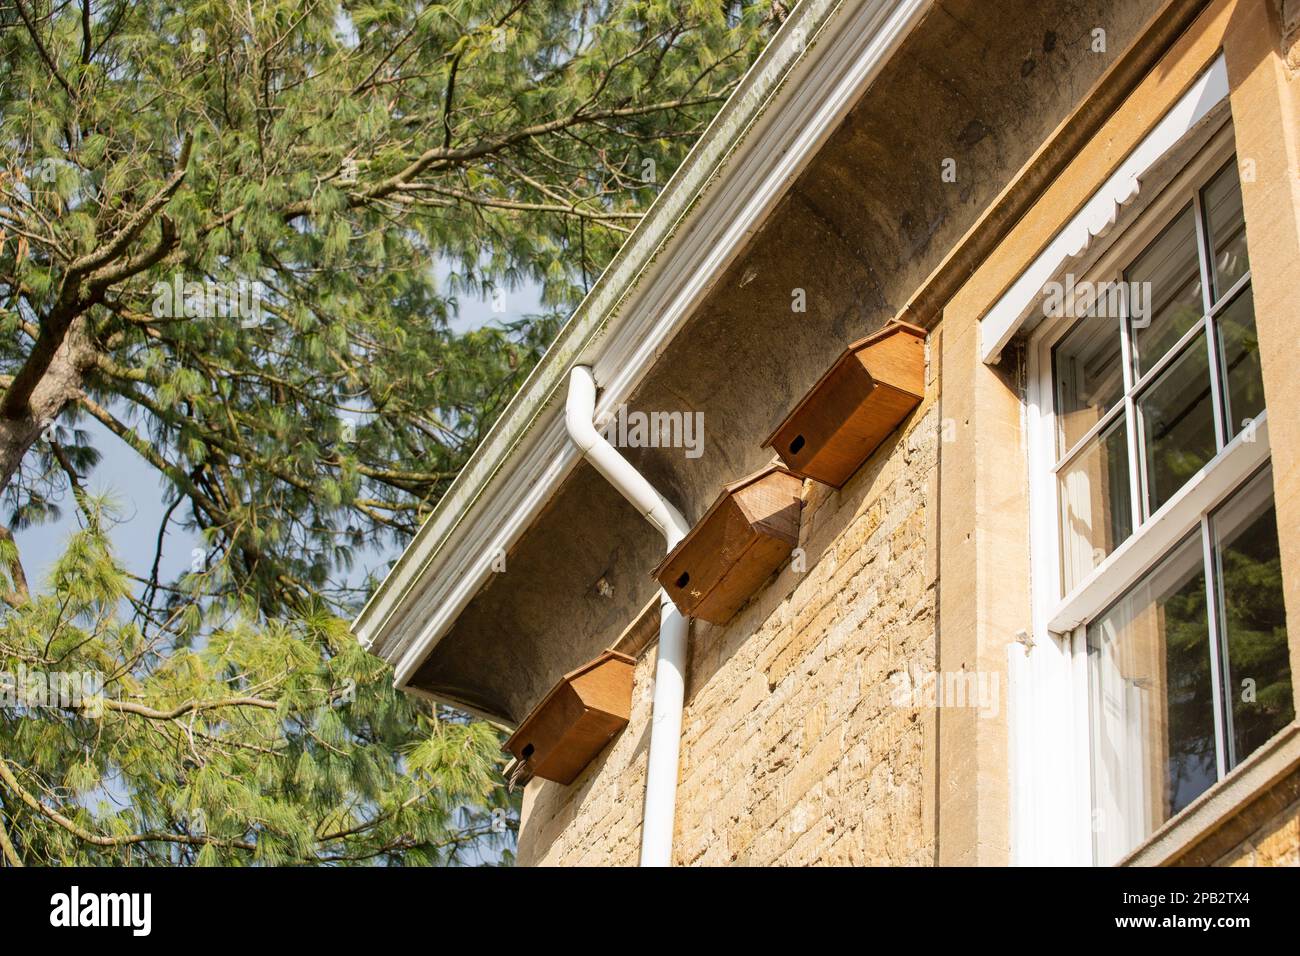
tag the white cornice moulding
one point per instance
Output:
(643, 300)
(1008, 314)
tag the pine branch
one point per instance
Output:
(11, 856)
(190, 707)
(96, 839)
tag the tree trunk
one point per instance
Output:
(60, 385)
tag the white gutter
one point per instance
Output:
(670, 668)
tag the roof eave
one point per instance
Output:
(801, 87)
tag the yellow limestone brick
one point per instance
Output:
(792, 752)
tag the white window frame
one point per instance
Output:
(1052, 787)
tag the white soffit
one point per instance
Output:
(1099, 213)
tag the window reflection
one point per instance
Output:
(1096, 503)
(1225, 225)
(1171, 265)
(1177, 423)
(1153, 723)
(1243, 378)
(1089, 378)
(1176, 428)
(1248, 569)
(1154, 660)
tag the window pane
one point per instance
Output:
(1089, 377)
(1167, 301)
(1096, 507)
(1153, 745)
(1177, 424)
(1226, 226)
(1243, 392)
(1253, 619)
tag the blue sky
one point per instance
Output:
(137, 490)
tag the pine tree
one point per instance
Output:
(235, 236)
(221, 742)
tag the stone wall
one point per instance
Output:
(1275, 843)
(797, 745)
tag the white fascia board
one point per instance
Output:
(1004, 320)
(792, 99)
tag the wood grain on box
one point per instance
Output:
(744, 536)
(854, 407)
(575, 720)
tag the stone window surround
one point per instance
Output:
(1064, 618)
(991, 817)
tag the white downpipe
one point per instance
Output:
(670, 670)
